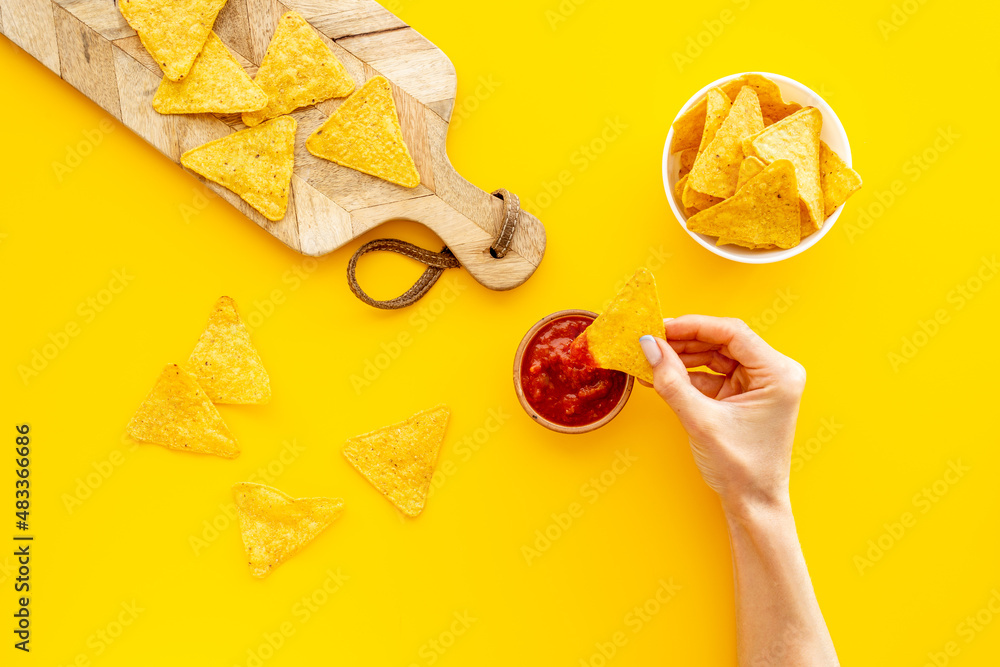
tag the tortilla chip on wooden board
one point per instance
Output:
(613, 338)
(839, 181)
(765, 211)
(716, 170)
(276, 526)
(364, 134)
(399, 460)
(298, 70)
(215, 84)
(225, 362)
(795, 138)
(178, 414)
(256, 163)
(173, 31)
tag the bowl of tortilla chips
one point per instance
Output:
(757, 167)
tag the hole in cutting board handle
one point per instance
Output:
(436, 262)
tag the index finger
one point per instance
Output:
(740, 341)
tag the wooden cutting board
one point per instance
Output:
(89, 44)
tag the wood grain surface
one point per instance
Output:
(89, 45)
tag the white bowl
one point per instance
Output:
(832, 133)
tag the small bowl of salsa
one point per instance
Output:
(561, 388)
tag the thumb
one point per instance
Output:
(670, 377)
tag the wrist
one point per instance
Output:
(752, 509)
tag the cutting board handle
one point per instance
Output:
(436, 262)
(472, 223)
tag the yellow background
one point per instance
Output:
(555, 85)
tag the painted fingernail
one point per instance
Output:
(650, 349)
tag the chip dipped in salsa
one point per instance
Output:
(565, 386)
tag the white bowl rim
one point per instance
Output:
(745, 255)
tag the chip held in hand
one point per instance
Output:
(613, 338)
(276, 526)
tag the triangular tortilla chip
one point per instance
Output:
(749, 168)
(215, 84)
(717, 168)
(796, 138)
(178, 414)
(765, 211)
(772, 106)
(839, 181)
(399, 460)
(717, 110)
(364, 134)
(298, 70)
(679, 193)
(689, 128)
(613, 338)
(173, 31)
(698, 201)
(225, 362)
(276, 526)
(679, 188)
(687, 158)
(255, 163)
(718, 106)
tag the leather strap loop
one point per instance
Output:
(436, 262)
(511, 211)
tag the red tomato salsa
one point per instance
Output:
(563, 385)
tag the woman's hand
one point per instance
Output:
(741, 418)
(741, 421)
